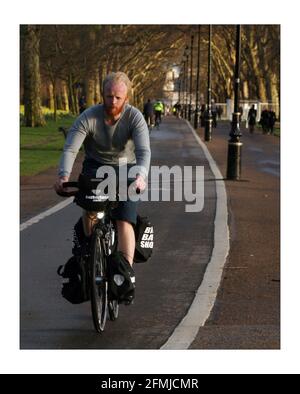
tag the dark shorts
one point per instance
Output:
(126, 210)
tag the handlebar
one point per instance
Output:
(76, 186)
(69, 193)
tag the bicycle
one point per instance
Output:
(103, 243)
(157, 119)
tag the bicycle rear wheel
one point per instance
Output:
(98, 284)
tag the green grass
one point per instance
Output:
(41, 147)
(33, 162)
(276, 130)
(258, 126)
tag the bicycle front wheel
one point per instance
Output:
(113, 310)
(98, 284)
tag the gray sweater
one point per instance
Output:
(127, 139)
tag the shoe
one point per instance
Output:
(128, 300)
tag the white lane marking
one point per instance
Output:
(44, 214)
(254, 149)
(271, 171)
(187, 330)
(271, 162)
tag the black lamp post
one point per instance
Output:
(186, 85)
(180, 84)
(191, 80)
(197, 112)
(208, 117)
(183, 86)
(234, 144)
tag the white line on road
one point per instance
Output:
(187, 330)
(271, 171)
(271, 162)
(44, 214)
(254, 149)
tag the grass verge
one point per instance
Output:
(41, 147)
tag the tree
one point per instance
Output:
(30, 39)
(75, 59)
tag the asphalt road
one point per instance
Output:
(246, 314)
(166, 285)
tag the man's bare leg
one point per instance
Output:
(126, 240)
(126, 236)
(89, 219)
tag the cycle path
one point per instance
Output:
(166, 285)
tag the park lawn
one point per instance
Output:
(276, 130)
(41, 147)
(36, 161)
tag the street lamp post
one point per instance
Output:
(180, 84)
(183, 87)
(186, 84)
(179, 89)
(191, 80)
(208, 117)
(197, 112)
(234, 144)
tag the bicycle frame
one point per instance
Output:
(104, 235)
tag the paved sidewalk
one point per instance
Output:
(247, 311)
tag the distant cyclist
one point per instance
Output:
(110, 132)
(158, 110)
(177, 110)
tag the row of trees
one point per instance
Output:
(59, 62)
(260, 62)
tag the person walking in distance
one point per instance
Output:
(272, 121)
(252, 119)
(149, 113)
(265, 121)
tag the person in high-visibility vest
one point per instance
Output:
(158, 109)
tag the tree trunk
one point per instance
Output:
(245, 91)
(97, 94)
(256, 67)
(274, 92)
(72, 96)
(51, 96)
(90, 90)
(102, 75)
(55, 101)
(59, 99)
(32, 79)
(65, 98)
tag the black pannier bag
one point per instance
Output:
(75, 287)
(144, 237)
(121, 278)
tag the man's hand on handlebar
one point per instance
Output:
(140, 183)
(58, 186)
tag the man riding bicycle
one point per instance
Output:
(112, 133)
